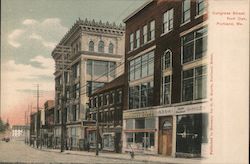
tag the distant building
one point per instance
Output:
(165, 110)
(88, 55)
(48, 127)
(18, 131)
(107, 103)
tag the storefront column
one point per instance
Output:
(156, 134)
(174, 136)
(124, 143)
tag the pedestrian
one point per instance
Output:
(88, 146)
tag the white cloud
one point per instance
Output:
(35, 36)
(14, 36)
(29, 22)
(46, 32)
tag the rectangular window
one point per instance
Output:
(194, 45)
(131, 42)
(145, 31)
(166, 88)
(194, 84)
(76, 90)
(140, 123)
(200, 7)
(168, 20)
(152, 30)
(103, 70)
(137, 68)
(129, 124)
(132, 70)
(141, 95)
(137, 39)
(185, 10)
(119, 97)
(142, 66)
(76, 70)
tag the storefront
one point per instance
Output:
(177, 131)
(140, 135)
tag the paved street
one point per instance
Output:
(17, 151)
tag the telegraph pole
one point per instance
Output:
(37, 118)
(97, 133)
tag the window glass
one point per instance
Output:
(91, 46)
(144, 95)
(194, 45)
(168, 21)
(166, 90)
(185, 10)
(137, 39)
(138, 68)
(152, 30)
(131, 42)
(145, 32)
(111, 48)
(200, 7)
(101, 46)
(151, 63)
(129, 124)
(150, 123)
(132, 70)
(140, 123)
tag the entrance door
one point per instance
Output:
(165, 136)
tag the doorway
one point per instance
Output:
(165, 136)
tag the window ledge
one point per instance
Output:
(202, 14)
(165, 33)
(184, 23)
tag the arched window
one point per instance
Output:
(167, 60)
(166, 78)
(101, 46)
(91, 46)
(111, 48)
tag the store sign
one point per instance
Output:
(185, 109)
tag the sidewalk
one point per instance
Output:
(126, 156)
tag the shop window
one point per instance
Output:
(129, 124)
(149, 123)
(194, 84)
(189, 133)
(130, 137)
(194, 45)
(140, 123)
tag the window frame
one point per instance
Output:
(168, 22)
(183, 19)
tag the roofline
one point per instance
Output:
(137, 10)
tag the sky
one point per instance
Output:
(30, 29)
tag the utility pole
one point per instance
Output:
(97, 133)
(37, 118)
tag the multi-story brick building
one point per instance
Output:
(48, 127)
(86, 53)
(107, 102)
(166, 72)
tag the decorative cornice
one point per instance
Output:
(94, 26)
